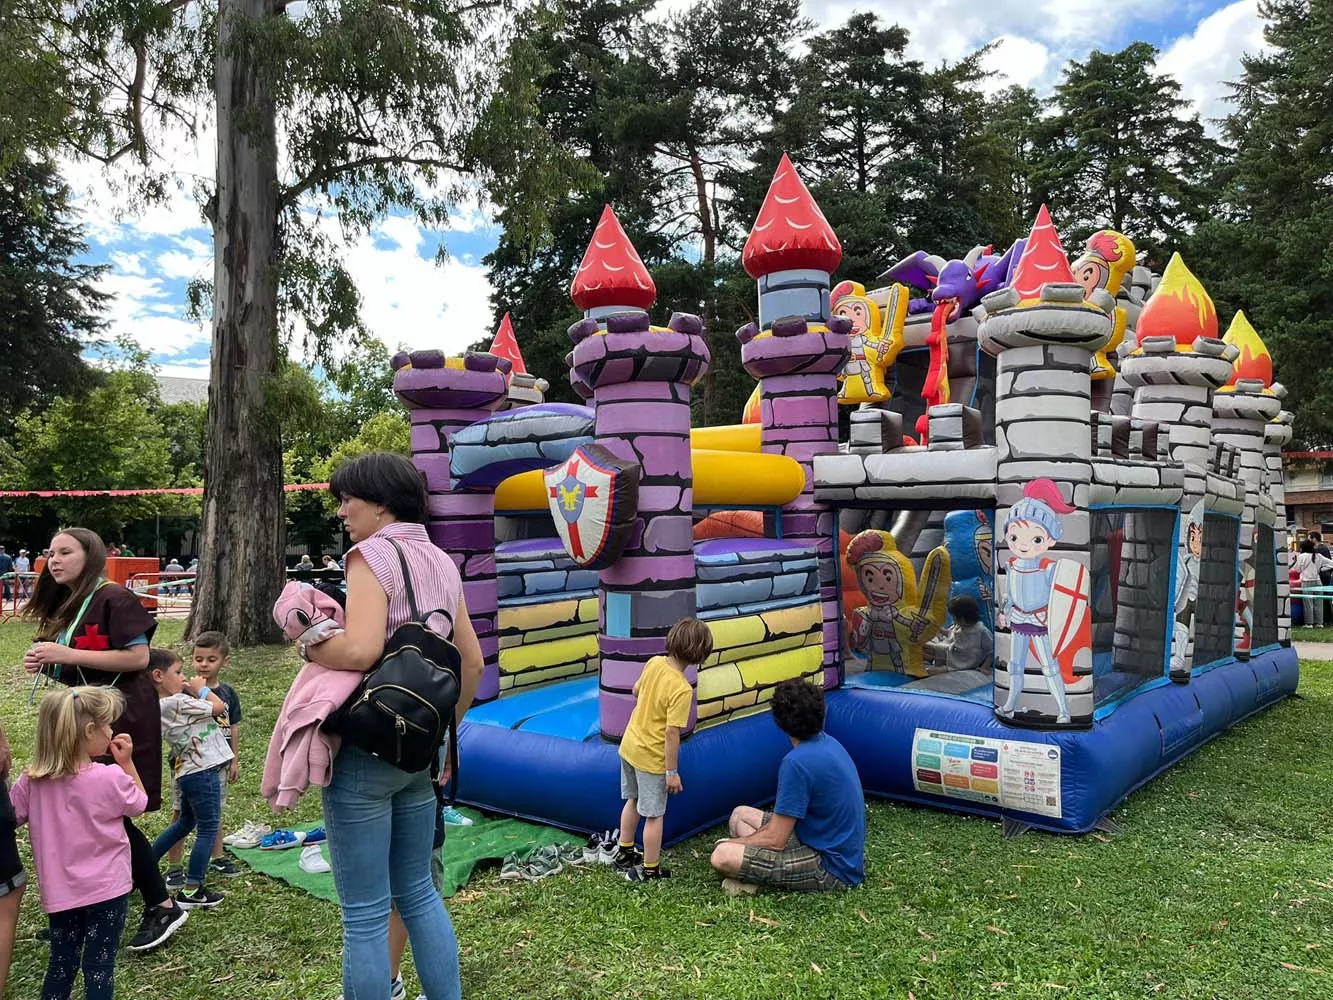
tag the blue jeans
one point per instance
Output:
(201, 805)
(381, 822)
(87, 936)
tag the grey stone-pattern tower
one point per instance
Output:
(1277, 433)
(1043, 335)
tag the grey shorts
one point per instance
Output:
(648, 790)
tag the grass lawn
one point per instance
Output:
(1221, 886)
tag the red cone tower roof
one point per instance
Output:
(505, 345)
(1043, 260)
(790, 232)
(612, 273)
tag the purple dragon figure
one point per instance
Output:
(959, 284)
(955, 287)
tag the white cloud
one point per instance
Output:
(407, 298)
(1210, 55)
(197, 370)
(1016, 61)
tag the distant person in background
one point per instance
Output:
(6, 567)
(23, 565)
(174, 567)
(1325, 575)
(330, 562)
(1310, 563)
(113, 550)
(194, 572)
(125, 552)
(305, 563)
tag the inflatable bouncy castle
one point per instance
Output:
(1071, 446)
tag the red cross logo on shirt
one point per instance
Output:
(92, 638)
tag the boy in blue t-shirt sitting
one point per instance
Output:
(814, 839)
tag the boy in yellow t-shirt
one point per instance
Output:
(651, 744)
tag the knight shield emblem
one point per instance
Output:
(1068, 621)
(593, 497)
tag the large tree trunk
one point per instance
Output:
(244, 520)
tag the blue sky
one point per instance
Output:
(409, 299)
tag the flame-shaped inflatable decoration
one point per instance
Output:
(754, 408)
(1179, 308)
(612, 274)
(1254, 360)
(1043, 259)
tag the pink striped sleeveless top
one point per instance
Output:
(435, 580)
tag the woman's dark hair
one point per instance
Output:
(798, 708)
(1307, 546)
(964, 608)
(54, 605)
(384, 478)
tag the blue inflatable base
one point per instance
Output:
(517, 760)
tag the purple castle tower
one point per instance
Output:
(639, 378)
(796, 352)
(442, 397)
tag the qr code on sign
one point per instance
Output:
(1050, 801)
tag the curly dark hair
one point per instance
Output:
(798, 708)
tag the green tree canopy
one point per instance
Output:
(1120, 152)
(1268, 251)
(50, 307)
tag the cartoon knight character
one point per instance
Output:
(1187, 587)
(1031, 529)
(971, 544)
(1108, 259)
(875, 341)
(900, 616)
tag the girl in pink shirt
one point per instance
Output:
(75, 810)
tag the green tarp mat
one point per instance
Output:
(464, 848)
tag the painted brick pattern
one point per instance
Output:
(442, 397)
(641, 378)
(797, 365)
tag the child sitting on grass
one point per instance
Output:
(76, 812)
(189, 727)
(650, 747)
(211, 654)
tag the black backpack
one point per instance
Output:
(403, 709)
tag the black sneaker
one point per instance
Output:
(626, 858)
(642, 873)
(175, 879)
(158, 924)
(225, 867)
(201, 898)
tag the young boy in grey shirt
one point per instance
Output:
(200, 750)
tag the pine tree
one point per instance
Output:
(50, 306)
(1269, 250)
(1119, 153)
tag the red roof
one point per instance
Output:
(612, 273)
(790, 232)
(1043, 260)
(505, 345)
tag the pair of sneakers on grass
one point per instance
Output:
(607, 849)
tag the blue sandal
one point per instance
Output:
(316, 836)
(281, 840)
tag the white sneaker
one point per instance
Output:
(249, 835)
(312, 860)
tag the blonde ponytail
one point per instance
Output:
(61, 719)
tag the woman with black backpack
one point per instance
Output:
(380, 817)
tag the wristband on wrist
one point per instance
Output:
(204, 692)
(672, 773)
